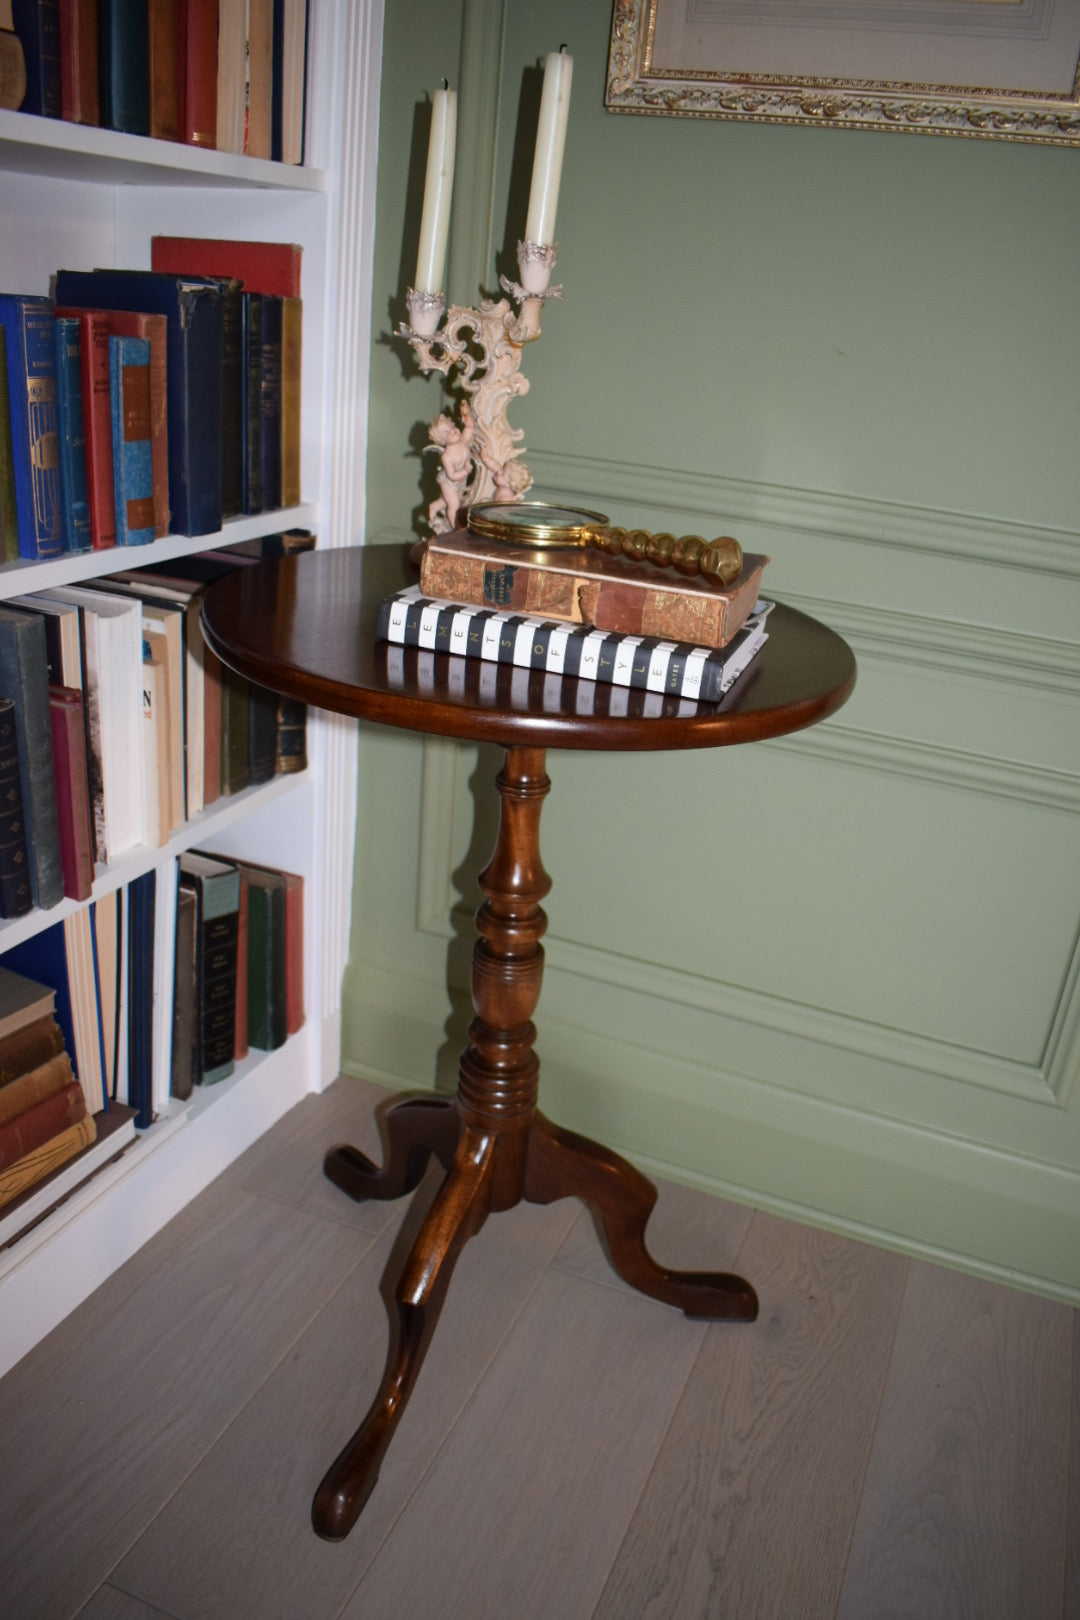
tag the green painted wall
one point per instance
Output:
(838, 973)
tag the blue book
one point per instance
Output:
(124, 65)
(74, 493)
(35, 446)
(37, 24)
(194, 349)
(133, 469)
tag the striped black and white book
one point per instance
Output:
(411, 619)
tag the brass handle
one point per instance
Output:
(720, 560)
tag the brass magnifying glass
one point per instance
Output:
(544, 527)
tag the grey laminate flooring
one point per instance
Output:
(890, 1438)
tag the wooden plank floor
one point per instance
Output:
(889, 1439)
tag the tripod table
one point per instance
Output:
(303, 626)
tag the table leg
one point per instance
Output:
(458, 1212)
(416, 1129)
(562, 1164)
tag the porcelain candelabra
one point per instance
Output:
(480, 452)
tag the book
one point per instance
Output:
(87, 1017)
(124, 66)
(289, 63)
(40, 1123)
(241, 1044)
(163, 652)
(133, 471)
(71, 434)
(31, 381)
(9, 518)
(112, 693)
(63, 637)
(97, 422)
(263, 267)
(231, 78)
(185, 598)
(235, 732)
(107, 938)
(15, 895)
(265, 965)
(164, 69)
(292, 313)
(142, 900)
(24, 677)
(197, 71)
(154, 328)
(155, 741)
(260, 73)
(28, 1171)
(72, 791)
(216, 885)
(194, 360)
(37, 24)
(44, 1080)
(79, 97)
(654, 664)
(27, 1049)
(184, 1026)
(269, 415)
(251, 334)
(587, 587)
(24, 1002)
(12, 64)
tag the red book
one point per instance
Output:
(72, 791)
(79, 61)
(164, 71)
(97, 420)
(197, 70)
(263, 267)
(41, 1123)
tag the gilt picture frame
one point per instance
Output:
(992, 69)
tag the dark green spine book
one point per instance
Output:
(24, 677)
(251, 387)
(15, 897)
(266, 959)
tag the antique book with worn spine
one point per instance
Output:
(31, 381)
(24, 676)
(587, 587)
(133, 465)
(216, 885)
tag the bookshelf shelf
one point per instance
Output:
(50, 149)
(78, 198)
(20, 576)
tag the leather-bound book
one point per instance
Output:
(35, 447)
(197, 71)
(164, 70)
(42, 1161)
(216, 885)
(37, 24)
(68, 719)
(15, 896)
(133, 463)
(79, 97)
(587, 587)
(125, 66)
(30, 1048)
(36, 1085)
(71, 434)
(24, 677)
(40, 1123)
(97, 422)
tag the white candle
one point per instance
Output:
(438, 185)
(550, 140)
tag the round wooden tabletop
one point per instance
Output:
(304, 625)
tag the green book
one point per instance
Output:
(216, 886)
(266, 958)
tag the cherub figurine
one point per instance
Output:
(455, 447)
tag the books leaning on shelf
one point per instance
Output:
(411, 619)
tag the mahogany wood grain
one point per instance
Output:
(304, 626)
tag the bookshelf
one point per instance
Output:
(79, 198)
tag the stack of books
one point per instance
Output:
(239, 965)
(228, 74)
(146, 402)
(118, 725)
(583, 615)
(44, 1116)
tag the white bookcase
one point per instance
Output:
(79, 198)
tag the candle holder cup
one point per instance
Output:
(480, 453)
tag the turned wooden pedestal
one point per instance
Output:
(304, 627)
